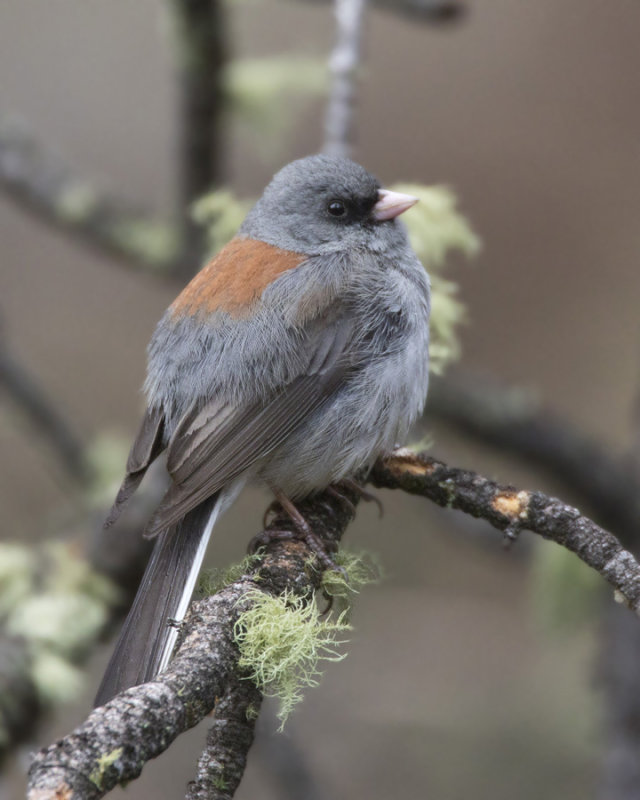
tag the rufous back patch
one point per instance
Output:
(235, 278)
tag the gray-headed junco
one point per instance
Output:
(295, 357)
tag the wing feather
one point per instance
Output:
(214, 444)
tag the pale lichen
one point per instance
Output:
(360, 569)
(221, 213)
(102, 765)
(436, 229)
(281, 642)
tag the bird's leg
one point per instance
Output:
(368, 497)
(304, 532)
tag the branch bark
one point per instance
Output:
(512, 420)
(343, 66)
(116, 740)
(511, 510)
(114, 743)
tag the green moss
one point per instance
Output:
(96, 776)
(281, 642)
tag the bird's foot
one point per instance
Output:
(303, 531)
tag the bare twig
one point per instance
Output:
(427, 11)
(201, 44)
(619, 658)
(343, 66)
(511, 510)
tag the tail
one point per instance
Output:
(147, 638)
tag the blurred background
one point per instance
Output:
(456, 684)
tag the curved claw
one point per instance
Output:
(368, 497)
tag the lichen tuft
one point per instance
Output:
(281, 641)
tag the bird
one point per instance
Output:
(294, 358)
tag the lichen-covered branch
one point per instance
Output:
(223, 760)
(512, 510)
(115, 742)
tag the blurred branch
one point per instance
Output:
(426, 11)
(512, 420)
(41, 413)
(200, 52)
(343, 66)
(116, 740)
(36, 179)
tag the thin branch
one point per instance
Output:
(222, 763)
(343, 66)
(513, 420)
(201, 55)
(38, 181)
(42, 414)
(435, 12)
(512, 510)
(116, 740)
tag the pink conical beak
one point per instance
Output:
(392, 204)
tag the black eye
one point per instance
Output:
(337, 208)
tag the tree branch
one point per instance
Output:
(512, 420)
(200, 57)
(40, 183)
(114, 743)
(512, 510)
(343, 66)
(222, 763)
(116, 740)
(425, 11)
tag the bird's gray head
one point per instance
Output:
(323, 203)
